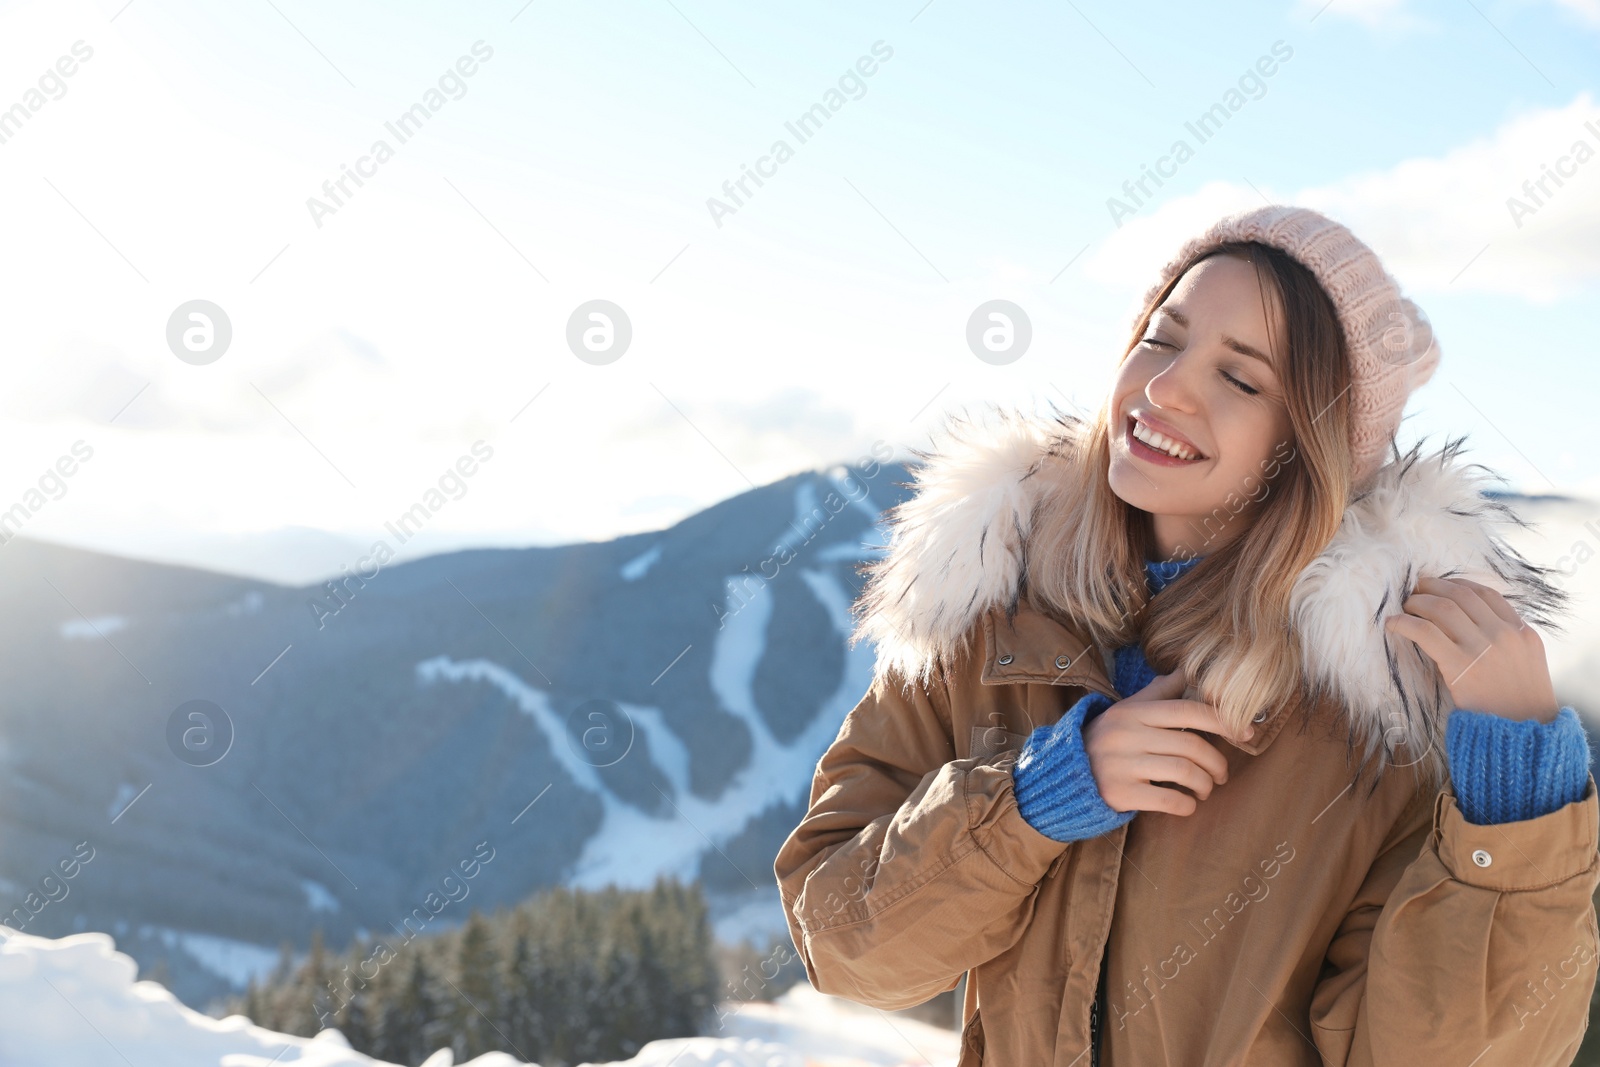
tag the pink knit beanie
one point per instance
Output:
(1392, 347)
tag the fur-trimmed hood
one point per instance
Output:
(958, 546)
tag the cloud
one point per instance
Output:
(802, 416)
(1586, 10)
(1438, 222)
(794, 428)
(74, 378)
(1390, 15)
(1396, 16)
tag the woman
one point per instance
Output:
(1074, 778)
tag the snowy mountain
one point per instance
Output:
(226, 764)
(73, 1002)
(591, 713)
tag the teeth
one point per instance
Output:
(1156, 440)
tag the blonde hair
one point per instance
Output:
(1226, 624)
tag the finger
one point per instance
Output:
(1446, 615)
(1176, 770)
(1191, 748)
(1497, 602)
(1163, 687)
(1428, 637)
(1470, 601)
(1154, 798)
(1187, 715)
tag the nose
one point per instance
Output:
(1172, 388)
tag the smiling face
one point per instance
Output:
(1203, 377)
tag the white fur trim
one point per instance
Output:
(956, 545)
(1423, 516)
(956, 549)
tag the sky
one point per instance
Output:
(383, 335)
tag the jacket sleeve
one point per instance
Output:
(910, 866)
(1467, 944)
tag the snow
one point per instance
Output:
(640, 565)
(631, 847)
(119, 803)
(811, 517)
(318, 898)
(249, 604)
(74, 1002)
(844, 550)
(755, 916)
(237, 961)
(92, 629)
(666, 749)
(849, 485)
(830, 1031)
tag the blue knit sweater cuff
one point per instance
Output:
(1054, 783)
(1508, 770)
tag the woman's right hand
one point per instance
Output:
(1145, 739)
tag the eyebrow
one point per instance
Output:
(1232, 342)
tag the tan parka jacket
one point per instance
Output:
(1294, 918)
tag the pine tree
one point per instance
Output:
(690, 961)
(585, 976)
(390, 1037)
(524, 986)
(317, 997)
(412, 1022)
(477, 1010)
(284, 968)
(625, 985)
(254, 1005)
(275, 994)
(353, 993)
(572, 992)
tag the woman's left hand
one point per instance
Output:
(1492, 661)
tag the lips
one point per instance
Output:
(1165, 430)
(1143, 452)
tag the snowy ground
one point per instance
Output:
(73, 1002)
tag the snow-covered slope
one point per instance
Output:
(73, 1002)
(632, 848)
(454, 701)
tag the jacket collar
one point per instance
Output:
(957, 549)
(1033, 647)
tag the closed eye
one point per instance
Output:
(1247, 390)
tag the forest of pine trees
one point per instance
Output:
(566, 977)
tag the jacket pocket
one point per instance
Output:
(1055, 865)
